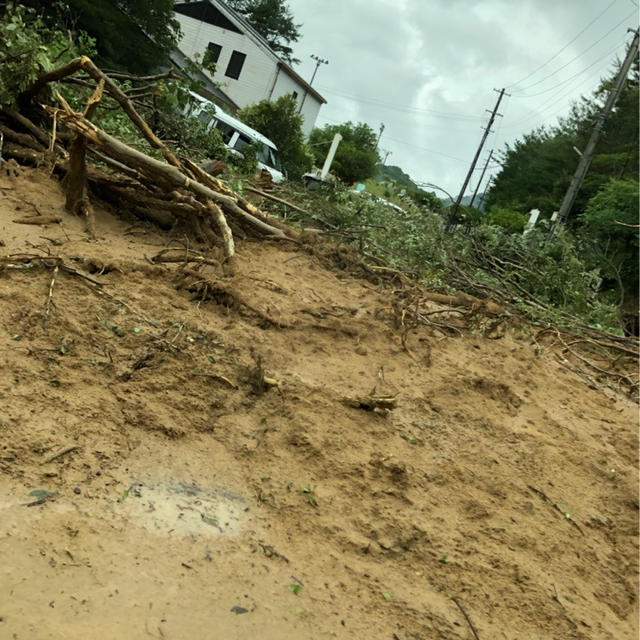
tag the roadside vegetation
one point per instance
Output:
(587, 274)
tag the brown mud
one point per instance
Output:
(267, 457)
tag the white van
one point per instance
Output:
(237, 136)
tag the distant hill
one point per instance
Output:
(390, 172)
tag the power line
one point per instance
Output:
(395, 107)
(555, 55)
(575, 75)
(555, 99)
(578, 56)
(403, 142)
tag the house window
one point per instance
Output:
(294, 94)
(235, 65)
(212, 55)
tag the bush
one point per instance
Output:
(27, 48)
(511, 221)
(279, 122)
(356, 157)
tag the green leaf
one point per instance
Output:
(295, 587)
(42, 493)
(386, 595)
(212, 520)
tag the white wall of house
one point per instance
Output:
(260, 78)
(258, 70)
(311, 106)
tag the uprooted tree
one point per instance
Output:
(167, 191)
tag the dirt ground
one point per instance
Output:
(496, 496)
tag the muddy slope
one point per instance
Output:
(199, 458)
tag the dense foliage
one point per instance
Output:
(136, 35)
(603, 222)
(273, 20)
(281, 123)
(28, 47)
(538, 169)
(357, 156)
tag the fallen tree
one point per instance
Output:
(168, 192)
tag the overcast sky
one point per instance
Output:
(427, 69)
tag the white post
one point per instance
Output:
(330, 156)
(533, 218)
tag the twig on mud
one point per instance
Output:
(553, 504)
(47, 306)
(140, 315)
(467, 618)
(40, 219)
(591, 383)
(62, 452)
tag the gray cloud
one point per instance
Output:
(427, 69)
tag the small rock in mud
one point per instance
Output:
(238, 610)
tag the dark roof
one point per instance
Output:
(206, 12)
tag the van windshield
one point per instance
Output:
(264, 153)
(268, 156)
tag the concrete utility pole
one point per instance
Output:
(380, 136)
(475, 193)
(587, 154)
(475, 159)
(386, 155)
(319, 61)
(329, 159)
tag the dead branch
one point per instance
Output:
(24, 139)
(276, 199)
(38, 133)
(467, 618)
(168, 174)
(555, 506)
(38, 220)
(62, 452)
(225, 232)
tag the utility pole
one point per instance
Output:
(319, 61)
(587, 154)
(386, 155)
(475, 193)
(475, 159)
(380, 135)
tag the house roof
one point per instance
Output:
(205, 12)
(219, 14)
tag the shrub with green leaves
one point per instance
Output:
(280, 122)
(28, 47)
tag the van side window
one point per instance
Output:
(226, 130)
(242, 143)
(235, 65)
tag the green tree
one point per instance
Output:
(538, 168)
(280, 122)
(136, 35)
(356, 157)
(510, 221)
(273, 20)
(610, 225)
(27, 48)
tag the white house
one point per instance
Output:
(247, 70)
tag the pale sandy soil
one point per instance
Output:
(195, 507)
